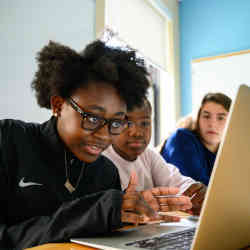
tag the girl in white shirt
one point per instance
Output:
(129, 152)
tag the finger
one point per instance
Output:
(195, 187)
(197, 201)
(165, 208)
(130, 201)
(150, 199)
(199, 196)
(133, 182)
(128, 217)
(144, 208)
(143, 219)
(185, 200)
(175, 204)
(131, 196)
(196, 210)
(170, 218)
(189, 211)
(164, 191)
(134, 201)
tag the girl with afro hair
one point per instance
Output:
(54, 182)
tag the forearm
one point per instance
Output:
(165, 174)
(97, 213)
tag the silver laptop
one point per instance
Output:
(224, 222)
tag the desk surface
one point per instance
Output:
(70, 246)
(61, 246)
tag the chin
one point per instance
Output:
(135, 151)
(89, 158)
(212, 139)
(138, 150)
(132, 155)
(138, 153)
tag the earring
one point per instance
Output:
(55, 114)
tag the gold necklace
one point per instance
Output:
(68, 184)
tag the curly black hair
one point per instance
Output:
(61, 71)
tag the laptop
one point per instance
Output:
(224, 222)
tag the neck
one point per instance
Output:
(211, 147)
(123, 155)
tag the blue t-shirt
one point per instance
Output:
(185, 150)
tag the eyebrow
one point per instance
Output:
(207, 112)
(101, 109)
(145, 117)
(139, 118)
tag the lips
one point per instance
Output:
(94, 149)
(136, 144)
(211, 133)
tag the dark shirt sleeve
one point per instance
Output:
(182, 149)
(92, 214)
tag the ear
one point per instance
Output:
(56, 103)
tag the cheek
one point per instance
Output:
(202, 125)
(119, 140)
(222, 126)
(148, 135)
(70, 131)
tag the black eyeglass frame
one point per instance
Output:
(105, 121)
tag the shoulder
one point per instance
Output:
(105, 163)
(158, 164)
(16, 130)
(16, 125)
(105, 160)
(183, 134)
(150, 152)
(8, 123)
(104, 172)
(115, 157)
(150, 156)
(182, 139)
(13, 126)
(109, 152)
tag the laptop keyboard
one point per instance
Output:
(177, 240)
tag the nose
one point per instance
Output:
(103, 133)
(212, 122)
(135, 130)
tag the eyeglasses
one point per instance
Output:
(93, 122)
(143, 124)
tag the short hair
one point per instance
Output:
(144, 104)
(61, 71)
(148, 105)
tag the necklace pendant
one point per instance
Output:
(69, 186)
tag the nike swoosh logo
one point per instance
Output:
(27, 184)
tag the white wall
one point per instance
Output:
(26, 26)
(149, 39)
(223, 73)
